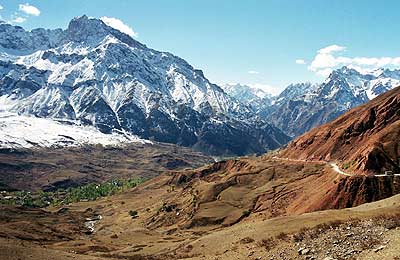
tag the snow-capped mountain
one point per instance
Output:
(293, 91)
(253, 97)
(99, 76)
(303, 106)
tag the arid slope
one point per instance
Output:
(364, 140)
(50, 168)
(228, 209)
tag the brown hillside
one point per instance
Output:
(50, 169)
(365, 140)
(217, 210)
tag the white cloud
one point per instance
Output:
(300, 61)
(324, 72)
(328, 59)
(1, 7)
(29, 9)
(18, 19)
(331, 48)
(253, 72)
(119, 25)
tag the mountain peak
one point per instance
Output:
(93, 30)
(85, 29)
(84, 21)
(82, 17)
(344, 71)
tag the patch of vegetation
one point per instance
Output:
(246, 213)
(389, 221)
(94, 191)
(246, 240)
(87, 192)
(133, 214)
(268, 243)
(298, 237)
(283, 236)
(347, 165)
(318, 230)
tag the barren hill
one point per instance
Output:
(236, 209)
(365, 140)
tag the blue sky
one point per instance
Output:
(250, 42)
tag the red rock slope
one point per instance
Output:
(364, 140)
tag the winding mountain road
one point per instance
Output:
(334, 166)
(384, 175)
(337, 169)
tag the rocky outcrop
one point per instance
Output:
(356, 190)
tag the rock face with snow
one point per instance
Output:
(99, 76)
(303, 106)
(255, 98)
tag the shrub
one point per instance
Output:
(268, 243)
(335, 223)
(283, 236)
(133, 213)
(300, 235)
(246, 240)
(347, 165)
(246, 213)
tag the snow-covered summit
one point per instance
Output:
(99, 76)
(370, 83)
(252, 96)
(301, 107)
(248, 92)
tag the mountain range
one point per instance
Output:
(344, 89)
(303, 106)
(93, 74)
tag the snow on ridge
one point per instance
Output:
(20, 131)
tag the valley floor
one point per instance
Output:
(364, 232)
(257, 208)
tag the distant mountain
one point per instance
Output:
(366, 139)
(254, 97)
(294, 91)
(301, 107)
(96, 75)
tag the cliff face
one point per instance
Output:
(365, 139)
(357, 190)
